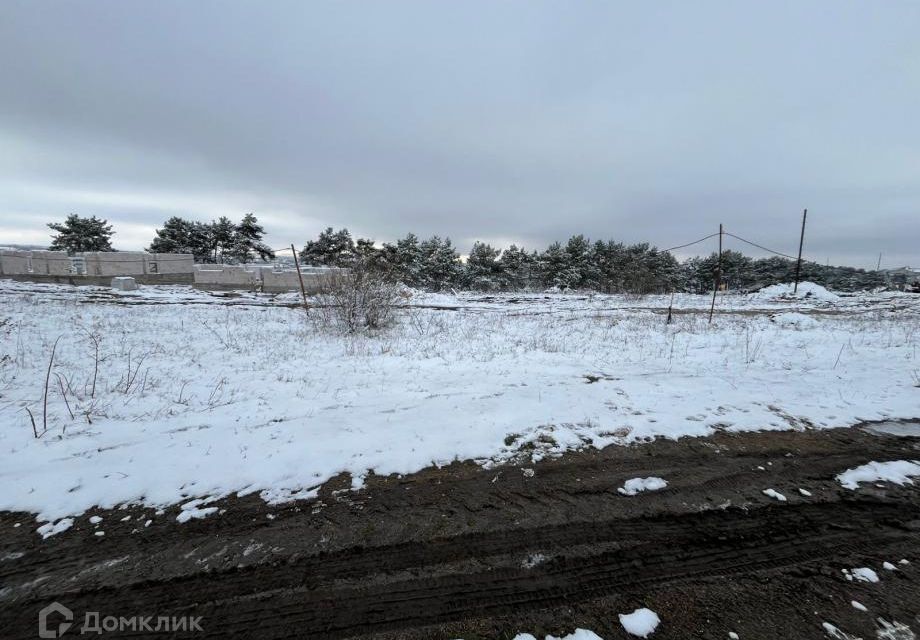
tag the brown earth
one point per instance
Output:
(466, 552)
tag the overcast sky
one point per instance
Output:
(501, 121)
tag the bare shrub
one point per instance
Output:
(357, 299)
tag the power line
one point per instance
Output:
(681, 246)
(754, 244)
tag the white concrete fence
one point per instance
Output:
(95, 263)
(253, 277)
(99, 267)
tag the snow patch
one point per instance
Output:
(836, 633)
(635, 485)
(579, 634)
(533, 560)
(861, 574)
(51, 529)
(641, 622)
(896, 471)
(808, 290)
(893, 630)
(773, 493)
(192, 510)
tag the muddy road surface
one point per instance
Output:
(545, 548)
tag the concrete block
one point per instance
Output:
(55, 263)
(228, 277)
(124, 283)
(114, 263)
(277, 281)
(14, 262)
(173, 262)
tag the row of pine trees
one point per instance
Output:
(606, 266)
(435, 264)
(221, 240)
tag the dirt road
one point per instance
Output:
(466, 552)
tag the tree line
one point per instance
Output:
(603, 265)
(435, 263)
(220, 240)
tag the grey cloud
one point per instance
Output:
(525, 121)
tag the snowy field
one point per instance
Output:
(194, 396)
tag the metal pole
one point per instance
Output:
(798, 263)
(303, 291)
(718, 277)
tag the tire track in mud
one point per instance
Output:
(359, 590)
(335, 614)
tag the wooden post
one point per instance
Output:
(798, 263)
(718, 277)
(303, 291)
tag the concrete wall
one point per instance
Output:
(280, 281)
(14, 262)
(159, 268)
(259, 278)
(102, 281)
(135, 263)
(54, 263)
(97, 264)
(227, 277)
(110, 263)
(171, 262)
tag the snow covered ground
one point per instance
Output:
(200, 395)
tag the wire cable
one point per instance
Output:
(681, 246)
(754, 244)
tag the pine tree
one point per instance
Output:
(201, 242)
(331, 249)
(610, 265)
(440, 264)
(517, 266)
(554, 263)
(370, 256)
(405, 260)
(76, 235)
(222, 234)
(580, 267)
(174, 237)
(247, 241)
(483, 271)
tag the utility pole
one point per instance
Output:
(718, 277)
(303, 291)
(798, 264)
